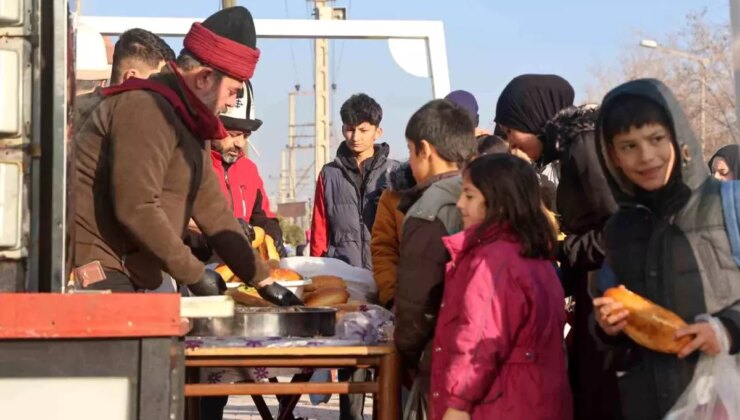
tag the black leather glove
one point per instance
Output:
(280, 248)
(248, 230)
(279, 295)
(211, 284)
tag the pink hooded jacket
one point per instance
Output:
(498, 344)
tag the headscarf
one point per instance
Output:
(530, 100)
(731, 155)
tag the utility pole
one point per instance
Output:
(227, 3)
(290, 180)
(282, 184)
(321, 82)
(291, 146)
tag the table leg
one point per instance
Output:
(375, 405)
(262, 407)
(192, 404)
(289, 402)
(389, 392)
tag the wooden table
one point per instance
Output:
(385, 387)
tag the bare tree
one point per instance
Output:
(699, 37)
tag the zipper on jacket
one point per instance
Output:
(244, 202)
(365, 176)
(228, 188)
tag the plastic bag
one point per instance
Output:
(417, 406)
(713, 392)
(360, 282)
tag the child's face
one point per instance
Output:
(472, 204)
(361, 138)
(645, 155)
(419, 162)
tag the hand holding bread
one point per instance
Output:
(646, 323)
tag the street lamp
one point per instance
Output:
(703, 61)
(648, 43)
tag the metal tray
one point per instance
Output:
(296, 321)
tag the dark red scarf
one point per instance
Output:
(198, 118)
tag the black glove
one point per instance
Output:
(211, 284)
(279, 295)
(248, 230)
(280, 248)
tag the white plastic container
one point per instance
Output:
(206, 307)
(295, 286)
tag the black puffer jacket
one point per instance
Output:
(674, 250)
(584, 201)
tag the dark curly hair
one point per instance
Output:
(360, 108)
(512, 192)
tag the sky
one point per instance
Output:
(489, 42)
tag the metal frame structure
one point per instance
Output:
(50, 171)
(735, 26)
(430, 31)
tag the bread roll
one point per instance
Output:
(248, 296)
(648, 324)
(321, 282)
(326, 297)
(284, 274)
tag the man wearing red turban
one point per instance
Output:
(142, 169)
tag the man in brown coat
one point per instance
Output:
(142, 169)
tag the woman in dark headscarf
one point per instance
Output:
(526, 105)
(537, 116)
(725, 164)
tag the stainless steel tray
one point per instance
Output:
(296, 321)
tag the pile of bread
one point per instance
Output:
(322, 291)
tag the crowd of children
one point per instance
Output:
(477, 240)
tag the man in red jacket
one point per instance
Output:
(239, 177)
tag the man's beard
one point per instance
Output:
(228, 158)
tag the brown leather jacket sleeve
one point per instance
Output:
(212, 214)
(140, 155)
(421, 273)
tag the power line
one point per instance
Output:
(292, 52)
(341, 47)
(309, 14)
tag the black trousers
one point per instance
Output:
(212, 408)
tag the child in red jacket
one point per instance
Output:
(498, 344)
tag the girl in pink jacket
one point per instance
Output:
(498, 344)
